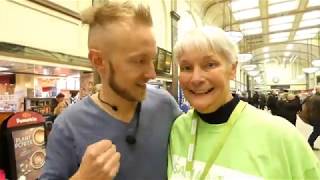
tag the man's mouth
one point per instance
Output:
(202, 92)
(142, 85)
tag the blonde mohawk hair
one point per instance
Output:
(116, 11)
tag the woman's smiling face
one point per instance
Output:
(204, 78)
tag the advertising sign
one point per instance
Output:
(28, 144)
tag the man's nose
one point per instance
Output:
(150, 72)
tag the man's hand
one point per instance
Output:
(100, 161)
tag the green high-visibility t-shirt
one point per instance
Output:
(259, 146)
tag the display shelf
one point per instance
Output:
(8, 103)
(40, 105)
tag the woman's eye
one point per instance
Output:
(211, 65)
(185, 68)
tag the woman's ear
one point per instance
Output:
(233, 70)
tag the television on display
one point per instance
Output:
(161, 60)
(168, 63)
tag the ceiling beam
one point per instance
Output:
(265, 22)
(297, 20)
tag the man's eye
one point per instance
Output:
(139, 61)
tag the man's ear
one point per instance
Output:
(95, 58)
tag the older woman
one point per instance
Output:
(224, 137)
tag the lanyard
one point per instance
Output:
(193, 142)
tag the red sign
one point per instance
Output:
(25, 118)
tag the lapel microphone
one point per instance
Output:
(131, 138)
(113, 107)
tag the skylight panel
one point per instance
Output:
(252, 31)
(307, 31)
(309, 22)
(246, 14)
(311, 15)
(281, 39)
(280, 27)
(276, 1)
(251, 25)
(244, 4)
(313, 3)
(282, 7)
(281, 20)
(279, 35)
(307, 36)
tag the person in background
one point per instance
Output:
(262, 101)
(57, 106)
(272, 103)
(224, 137)
(125, 118)
(310, 114)
(255, 99)
(290, 108)
(59, 98)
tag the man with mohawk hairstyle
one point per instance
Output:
(125, 117)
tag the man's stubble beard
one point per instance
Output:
(122, 92)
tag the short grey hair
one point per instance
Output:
(209, 38)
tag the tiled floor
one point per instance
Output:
(306, 129)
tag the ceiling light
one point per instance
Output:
(246, 14)
(265, 49)
(281, 20)
(289, 46)
(43, 63)
(310, 70)
(253, 73)
(287, 53)
(249, 67)
(266, 56)
(282, 7)
(244, 57)
(301, 76)
(235, 36)
(3, 69)
(316, 62)
(244, 4)
(45, 72)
